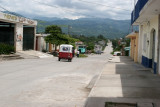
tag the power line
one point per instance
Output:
(103, 5)
(62, 8)
(67, 9)
(10, 12)
(4, 8)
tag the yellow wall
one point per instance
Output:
(134, 48)
(50, 47)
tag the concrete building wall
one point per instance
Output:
(134, 37)
(39, 40)
(144, 35)
(153, 25)
(19, 23)
(18, 36)
(140, 43)
(136, 49)
(146, 43)
(43, 44)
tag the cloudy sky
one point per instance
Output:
(72, 9)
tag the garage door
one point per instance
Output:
(28, 38)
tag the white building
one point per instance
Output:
(17, 31)
(147, 15)
(41, 44)
(97, 48)
(102, 42)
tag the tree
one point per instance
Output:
(90, 46)
(53, 29)
(57, 37)
(101, 37)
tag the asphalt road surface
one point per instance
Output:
(48, 82)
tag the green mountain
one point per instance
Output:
(89, 26)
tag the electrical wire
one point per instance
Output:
(103, 5)
(42, 3)
(63, 9)
(11, 12)
(55, 7)
(7, 10)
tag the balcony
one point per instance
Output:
(135, 13)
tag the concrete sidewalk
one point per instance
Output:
(123, 81)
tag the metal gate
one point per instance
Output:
(28, 38)
(153, 49)
(7, 33)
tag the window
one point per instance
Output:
(145, 42)
(65, 49)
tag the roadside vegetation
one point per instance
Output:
(82, 56)
(6, 49)
(119, 44)
(91, 41)
(57, 37)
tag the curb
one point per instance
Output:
(85, 105)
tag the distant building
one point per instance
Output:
(42, 45)
(102, 42)
(82, 48)
(79, 46)
(97, 48)
(79, 43)
(122, 43)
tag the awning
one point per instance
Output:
(133, 34)
(127, 48)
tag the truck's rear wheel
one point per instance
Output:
(69, 60)
(59, 59)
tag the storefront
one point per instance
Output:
(17, 31)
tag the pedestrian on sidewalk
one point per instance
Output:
(77, 54)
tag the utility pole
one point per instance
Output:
(69, 27)
(134, 12)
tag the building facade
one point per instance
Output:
(133, 45)
(18, 31)
(147, 16)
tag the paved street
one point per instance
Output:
(49, 83)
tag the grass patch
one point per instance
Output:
(6, 49)
(112, 53)
(82, 56)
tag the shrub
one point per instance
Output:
(83, 55)
(6, 49)
(44, 50)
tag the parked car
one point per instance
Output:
(98, 52)
(117, 53)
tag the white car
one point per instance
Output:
(117, 53)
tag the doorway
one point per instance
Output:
(7, 33)
(28, 38)
(153, 36)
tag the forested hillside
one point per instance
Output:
(88, 26)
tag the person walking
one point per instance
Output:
(77, 54)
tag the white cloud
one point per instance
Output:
(72, 9)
